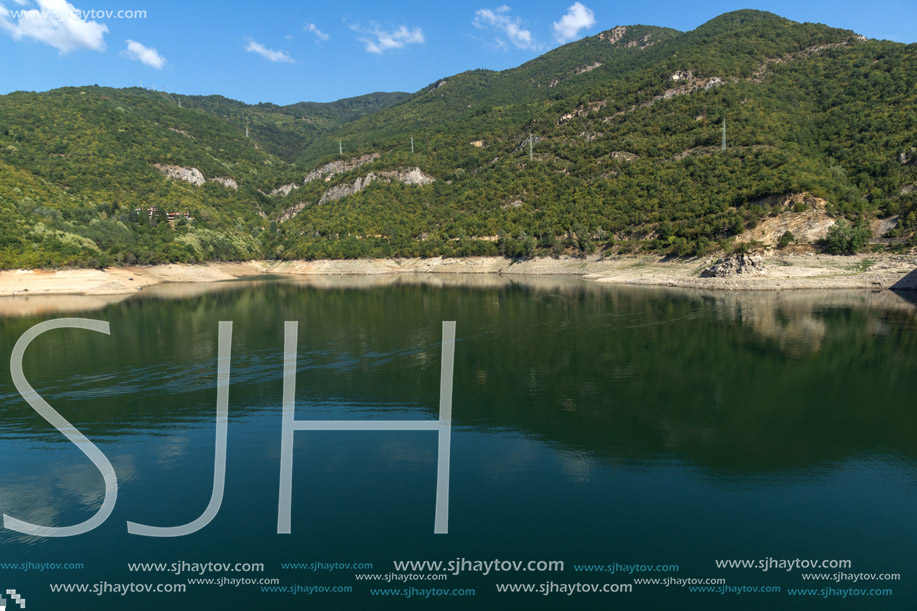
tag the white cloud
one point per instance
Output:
(379, 41)
(144, 54)
(268, 54)
(56, 23)
(314, 29)
(501, 20)
(579, 17)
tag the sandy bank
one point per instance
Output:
(781, 272)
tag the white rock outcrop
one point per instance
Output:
(643, 43)
(193, 176)
(339, 167)
(343, 190)
(177, 172)
(410, 176)
(713, 81)
(327, 172)
(589, 68)
(290, 212)
(613, 35)
(285, 189)
(226, 181)
(810, 224)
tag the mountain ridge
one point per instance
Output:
(611, 142)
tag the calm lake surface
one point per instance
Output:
(592, 424)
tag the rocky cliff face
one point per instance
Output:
(343, 190)
(334, 168)
(327, 171)
(285, 189)
(589, 68)
(290, 212)
(643, 43)
(410, 176)
(193, 176)
(808, 225)
(176, 172)
(613, 35)
(226, 181)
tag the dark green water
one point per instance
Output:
(592, 425)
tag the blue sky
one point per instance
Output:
(286, 52)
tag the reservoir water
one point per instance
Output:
(644, 431)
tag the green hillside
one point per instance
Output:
(611, 142)
(286, 131)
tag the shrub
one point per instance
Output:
(786, 239)
(845, 239)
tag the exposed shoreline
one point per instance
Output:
(782, 272)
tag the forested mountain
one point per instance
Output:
(611, 142)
